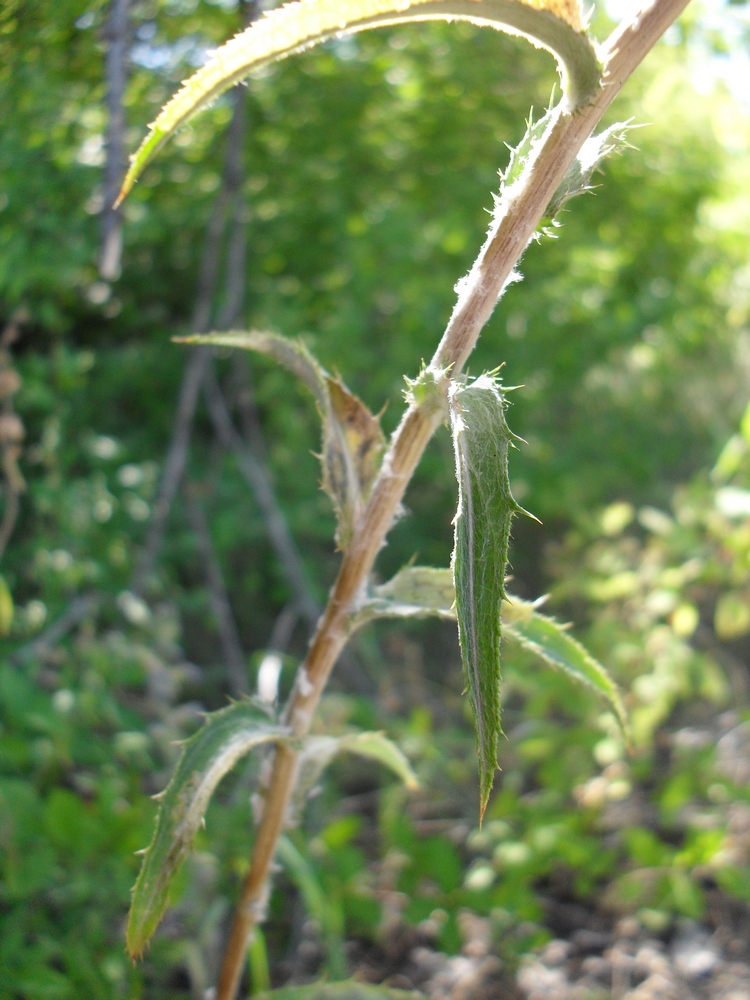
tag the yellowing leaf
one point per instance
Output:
(556, 25)
(6, 607)
(732, 616)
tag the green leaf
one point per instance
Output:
(556, 25)
(318, 752)
(421, 592)
(377, 746)
(555, 645)
(225, 737)
(481, 440)
(339, 991)
(353, 441)
(414, 592)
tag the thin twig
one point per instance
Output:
(283, 627)
(116, 32)
(218, 595)
(199, 357)
(258, 480)
(508, 238)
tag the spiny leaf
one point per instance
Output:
(519, 155)
(414, 592)
(339, 991)
(577, 179)
(420, 592)
(481, 440)
(225, 737)
(353, 441)
(555, 645)
(556, 25)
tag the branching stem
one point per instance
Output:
(514, 225)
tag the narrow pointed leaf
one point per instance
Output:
(353, 441)
(555, 645)
(225, 737)
(556, 25)
(339, 991)
(481, 440)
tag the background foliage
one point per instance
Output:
(369, 166)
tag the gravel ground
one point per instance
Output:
(631, 965)
(626, 963)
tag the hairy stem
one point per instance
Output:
(521, 212)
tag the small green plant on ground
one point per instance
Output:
(366, 476)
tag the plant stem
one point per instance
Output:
(519, 215)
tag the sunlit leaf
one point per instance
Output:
(556, 25)
(732, 615)
(353, 441)
(486, 507)
(225, 738)
(555, 645)
(6, 607)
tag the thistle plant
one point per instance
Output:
(366, 476)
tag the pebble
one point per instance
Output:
(633, 966)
